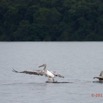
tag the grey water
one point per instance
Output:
(79, 62)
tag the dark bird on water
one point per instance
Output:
(100, 77)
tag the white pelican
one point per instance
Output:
(47, 73)
(100, 77)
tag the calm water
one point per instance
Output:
(79, 62)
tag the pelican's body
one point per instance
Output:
(47, 73)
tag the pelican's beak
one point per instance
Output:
(41, 65)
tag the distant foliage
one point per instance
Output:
(51, 20)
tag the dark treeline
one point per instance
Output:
(51, 20)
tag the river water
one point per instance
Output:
(79, 62)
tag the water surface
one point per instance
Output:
(79, 62)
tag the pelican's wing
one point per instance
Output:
(58, 75)
(37, 72)
(100, 77)
(96, 77)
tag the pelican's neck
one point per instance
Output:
(44, 68)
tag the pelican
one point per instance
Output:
(100, 77)
(43, 72)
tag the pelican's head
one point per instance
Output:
(101, 73)
(43, 65)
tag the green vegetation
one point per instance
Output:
(51, 20)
